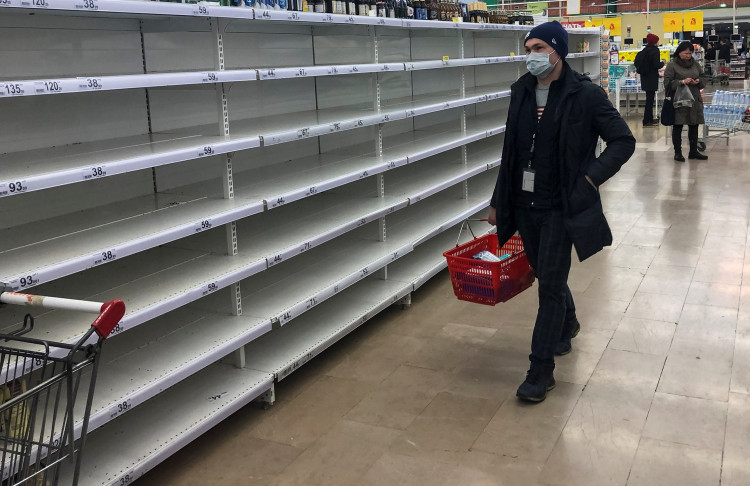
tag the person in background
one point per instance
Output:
(683, 70)
(711, 53)
(648, 64)
(725, 51)
(547, 188)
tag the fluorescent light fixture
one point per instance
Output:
(722, 5)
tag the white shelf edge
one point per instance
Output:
(385, 116)
(102, 256)
(452, 63)
(429, 191)
(97, 7)
(266, 74)
(210, 146)
(452, 222)
(288, 252)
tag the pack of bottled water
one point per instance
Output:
(729, 110)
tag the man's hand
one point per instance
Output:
(591, 182)
(687, 81)
(696, 81)
(492, 217)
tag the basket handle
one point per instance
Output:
(466, 223)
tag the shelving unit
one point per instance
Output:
(251, 205)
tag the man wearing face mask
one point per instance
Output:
(547, 189)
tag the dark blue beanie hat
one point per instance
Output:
(553, 34)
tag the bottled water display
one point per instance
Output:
(729, 110)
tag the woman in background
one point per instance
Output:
(684, 70)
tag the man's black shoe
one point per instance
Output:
(564, 346)
(536, 386)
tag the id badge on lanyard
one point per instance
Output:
(527, 184)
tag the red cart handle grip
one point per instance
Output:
(110, 316)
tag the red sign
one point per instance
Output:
(574, 25)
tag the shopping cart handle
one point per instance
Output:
(110, 316)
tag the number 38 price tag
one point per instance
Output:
(104, 256)
(94, 172)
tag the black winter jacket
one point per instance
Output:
(583, 114)
(649, 67)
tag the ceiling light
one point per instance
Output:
(723, 5)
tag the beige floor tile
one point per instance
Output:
(392, 469)
(577, 366)
(253, 461)
(723, 246)
(716, 294)
(736, 467)
(661, 463)
(707, 321)
(599, 314)
(741, 365)
(529, 431)
(378, 358)
(683, 255)
(447, 428)
(727, 271)
(340, 456)
(615, 284)
(743, 323)
(313, 412)
(645, 236)
(399, 398)
(580, 278)
(667, 279)
(632, 256)
(659, 307)
(745, 290)
(698, 367)
(508, 470)
(628, 369)
(686, 420)
(643, 336)
(450, 347)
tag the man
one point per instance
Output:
(547, 186)
(647, 63)
(725, 51)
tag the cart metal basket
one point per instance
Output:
(39, 383)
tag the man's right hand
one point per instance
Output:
(492, 217)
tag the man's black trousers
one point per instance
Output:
(648, 111)
(548, 249)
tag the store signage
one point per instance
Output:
(574, 25)
(573, 7)
(673, 22)
(693, 20)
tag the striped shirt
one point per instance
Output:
(542, 93)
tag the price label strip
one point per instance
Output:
(34, 3)
(6, 3)
(24, 281)
(104, 256)
(48, 87)
(92, 5)
(211, 77)
(13, 187)
(206, 151)
(12, 89)
(95, 172)
(201, 10)
(120, 408)
(210, 288)
(90, 84)
(202, 225)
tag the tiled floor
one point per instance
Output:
(656, 391)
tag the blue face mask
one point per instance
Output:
(538, 64)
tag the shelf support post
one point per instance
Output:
(217, 27)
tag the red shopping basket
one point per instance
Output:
(489, 282)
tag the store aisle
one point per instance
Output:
(655, 392)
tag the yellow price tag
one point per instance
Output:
(446, 58)
(512, 53)
(456, 19)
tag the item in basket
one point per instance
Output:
(489, 257)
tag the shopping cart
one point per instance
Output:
(486, 282)
(719, 72)
(39, 383)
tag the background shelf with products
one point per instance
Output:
(237, 199)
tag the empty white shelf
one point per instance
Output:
(38, 252)
(69, 164)
(125, 449)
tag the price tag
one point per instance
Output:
(210, 288)
(364, 174)
(275, 260)
(13, 187)
(31, 364)
(353, 69)
(311, 191)
(211, 77)
(410, 113)
(311, 302)
(87, 5)
(364, 272)
(48, 87)
(120, 408)
(24, 281)
(385, 68)
(218, 396)
(12, 89)
(386, 118)
(294, 16)
(202, 225)
(206, 151)
(333, 70)
(90, 84)
(104, 256)
(268, 74)
(94, 172)
(267, 15)
(127, 478)
(305, 246)
(5, 3)
(410, 66)
(118, 328)
(446, 59)
(361, 222)
(350, 20)
(303, 132)
(285, 317)
(335, 127)
(328, 18)
(300, 73)
(395, 256)
(34, 3)
(381, 21)
(201, 10)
